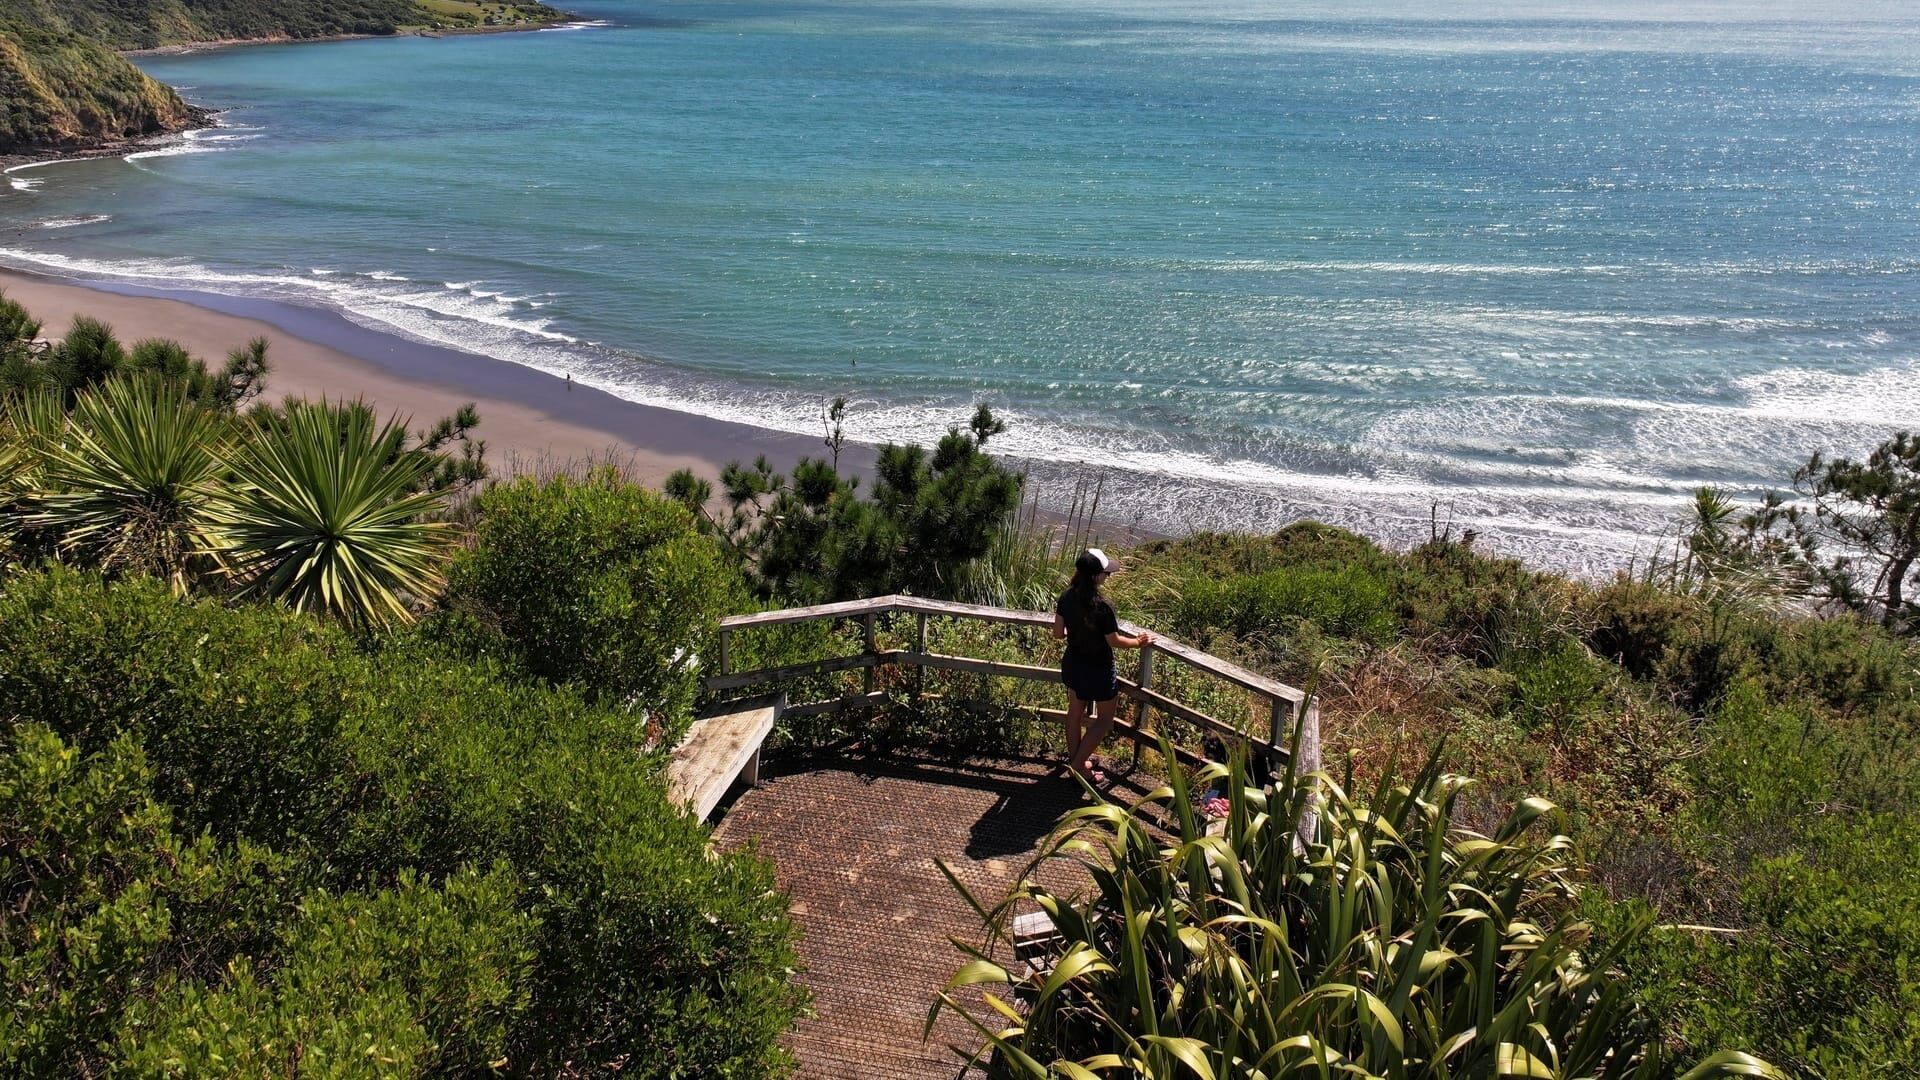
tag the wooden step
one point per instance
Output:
(718, 750)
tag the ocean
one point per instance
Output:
(1534, 270)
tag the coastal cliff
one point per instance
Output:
(62, 91)
(64, 86)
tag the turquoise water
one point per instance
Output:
(1547, 267)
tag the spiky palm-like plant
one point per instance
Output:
(12, 467)
(1386, 941)
(127, 481)
(325, 513)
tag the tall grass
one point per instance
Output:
(1032, 557)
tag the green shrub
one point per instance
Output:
(1819, 970)
(105, 897)
(1805, 823)
(82, 849)
(1476, 606)
(809, 537)
(240, 711)
(1846, 662)
(1712, 655)
(261, 726)
(1351, 601)
(1554, 686)
(415, 980)
(597, 582)
(1635, 624)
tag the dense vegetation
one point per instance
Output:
(1742, 772)
(63, 85)
(147, 24)
(62, 90)
(236, 842)
(250, 828)
(315, 742)
(1379, 939)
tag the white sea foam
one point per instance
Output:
(380, 296)
(577, 25)
(72, 222)
(1750, 268)
(30, 183)
(1307, 266)
(1886, 397)
(182, 148)
(212, 140)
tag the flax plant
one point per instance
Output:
(325, 511)
(1307, 933)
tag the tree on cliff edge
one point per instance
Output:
(1857, 525)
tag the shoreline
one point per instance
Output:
(530, 420)
(536, 422)
(188, 48)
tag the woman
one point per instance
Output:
(1092, 630)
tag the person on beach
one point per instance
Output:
(1092, 631)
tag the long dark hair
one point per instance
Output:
(1082, 591)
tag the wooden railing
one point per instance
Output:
(1289, 709)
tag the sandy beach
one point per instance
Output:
(530, 419)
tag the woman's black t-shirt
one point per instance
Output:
(1089, 619)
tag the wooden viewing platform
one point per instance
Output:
(854, 836)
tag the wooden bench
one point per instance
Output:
(1035, 942)
(720, 749)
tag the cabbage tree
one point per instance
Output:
(126, 482)
(325, 511)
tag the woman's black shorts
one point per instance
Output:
(1090, 680)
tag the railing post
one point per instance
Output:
(1309, 736)
(920, 647)
(872, 646)
(1308, 764)
(1142, 711)
(1281, 714)
(726, 651)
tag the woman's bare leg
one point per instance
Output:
(1097, 733)
(1076, 712)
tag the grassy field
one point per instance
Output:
(455, 14)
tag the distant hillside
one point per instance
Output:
(63, 91)
(63, 85)
(145, 24)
